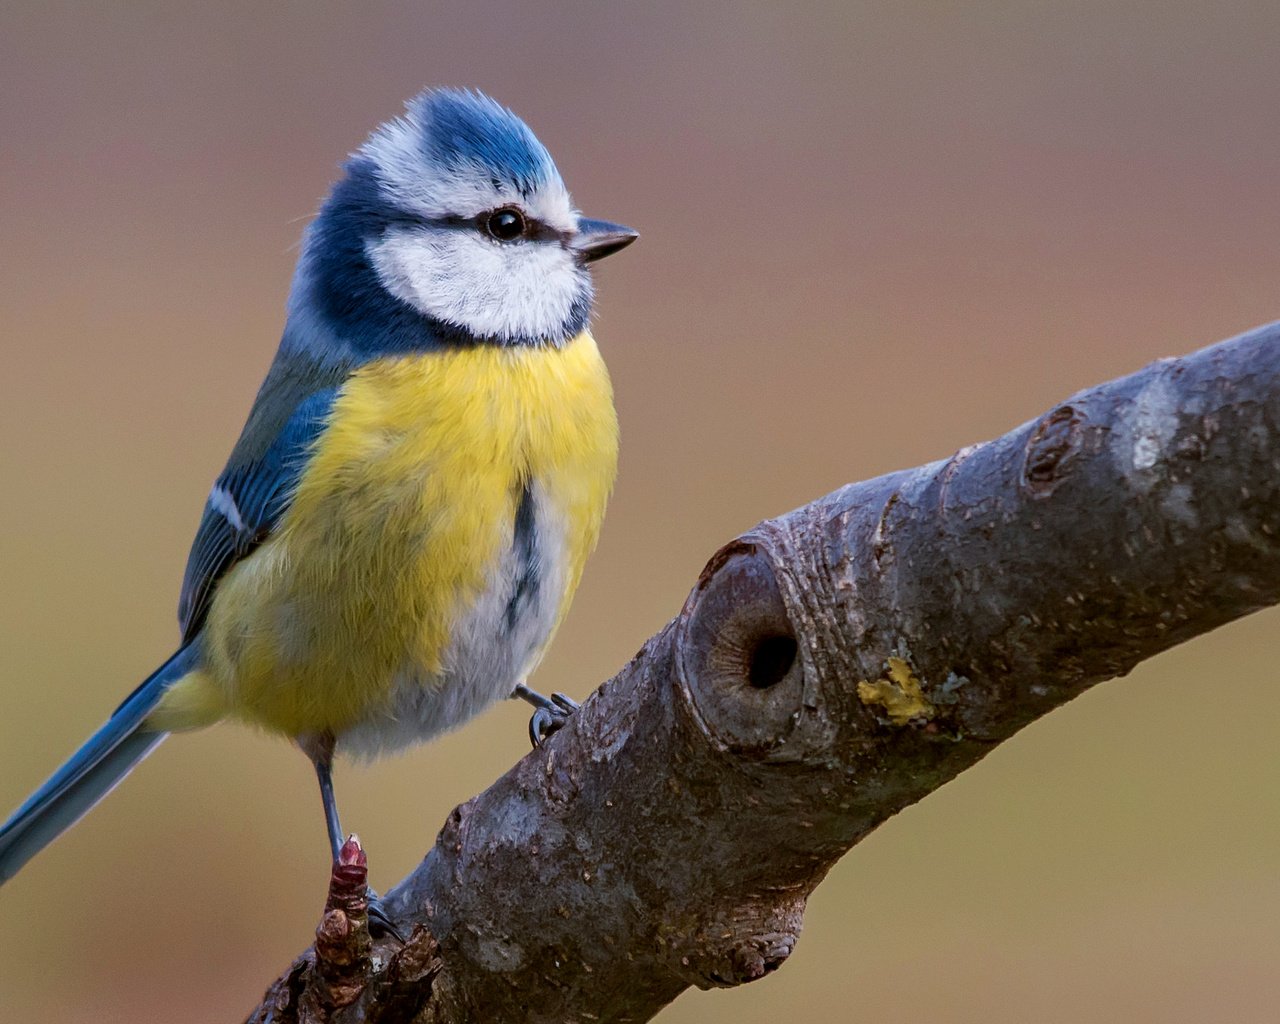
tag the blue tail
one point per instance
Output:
(92, 771)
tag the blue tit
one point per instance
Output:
(403, 522)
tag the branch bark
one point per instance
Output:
(831, 667)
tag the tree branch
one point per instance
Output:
(831, 667)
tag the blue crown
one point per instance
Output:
(461, 130)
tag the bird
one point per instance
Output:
(402, 524)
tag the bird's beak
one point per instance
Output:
(597, 239)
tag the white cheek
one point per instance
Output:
(505, 291)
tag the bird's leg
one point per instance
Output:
(549, 715)
(324, 773)
(320, 750)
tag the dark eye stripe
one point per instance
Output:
(535, 230)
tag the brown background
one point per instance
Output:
(873, 233)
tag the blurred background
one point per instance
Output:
(873, 233)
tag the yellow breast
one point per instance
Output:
(398, 523)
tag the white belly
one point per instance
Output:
(493, 644)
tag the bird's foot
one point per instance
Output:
(350, 882)
(380, 922)
(548, 720)
(550, 713)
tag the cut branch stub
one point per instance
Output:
(738, 655)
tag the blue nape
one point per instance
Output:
(342, 285)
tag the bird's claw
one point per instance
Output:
(550, 718)
(380, 922)
(550, 715)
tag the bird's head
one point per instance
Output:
(453, 216)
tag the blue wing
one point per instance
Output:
(252, 494)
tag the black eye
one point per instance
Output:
(506, 225)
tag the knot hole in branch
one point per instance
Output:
(739, 653)
(1051, 449)
(769, 660)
